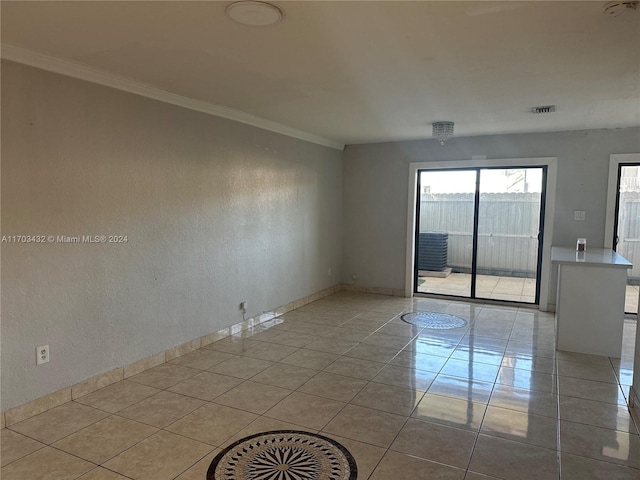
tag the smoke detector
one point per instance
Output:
(544, 109)
(619, 7)
(254, 14)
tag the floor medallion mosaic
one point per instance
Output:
(435, 320)
(284, 455)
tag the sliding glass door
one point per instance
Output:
(626, 239)
(444, 243)
(478, 233)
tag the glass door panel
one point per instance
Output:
(444, 237)
(627, 241)
(508, 225)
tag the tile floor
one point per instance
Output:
(501, 288)
(488, 286)
(492, 400)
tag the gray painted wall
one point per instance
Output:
(376, 191)
(215, 213)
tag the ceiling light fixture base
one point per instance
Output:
(254, 14)
(619, 7)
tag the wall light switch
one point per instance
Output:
(579, 215)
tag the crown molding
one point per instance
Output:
(93, 75)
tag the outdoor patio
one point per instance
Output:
(500, 288)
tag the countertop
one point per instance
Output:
(602, 257)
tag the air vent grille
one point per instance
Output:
(544, 109)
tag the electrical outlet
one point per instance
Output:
(243, 307)
(329, 272)
(579, 215)
(354, 277)
(42, 354)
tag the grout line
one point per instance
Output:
(475, 443)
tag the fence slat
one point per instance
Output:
(507, 234)
(629, 231)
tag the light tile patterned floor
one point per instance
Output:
(492, 400)
(487, 286)
(501, 288)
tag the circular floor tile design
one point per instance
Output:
(284, 455)
(439, 321)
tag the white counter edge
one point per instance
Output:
(595, 257)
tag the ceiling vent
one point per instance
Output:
(620, 7)
(544, 109)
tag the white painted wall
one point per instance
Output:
(376, 191)
(216, 212)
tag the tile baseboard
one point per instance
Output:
(36, 407)
(55, 399)
(395, 292)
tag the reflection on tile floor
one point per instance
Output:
(491, 400)
(631, 298)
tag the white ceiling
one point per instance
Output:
(363, 71)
